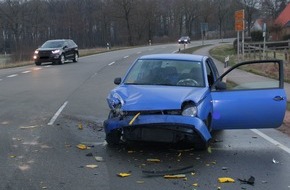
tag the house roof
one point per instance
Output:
(284, 16)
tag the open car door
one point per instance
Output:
(243, 100)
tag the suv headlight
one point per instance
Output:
(190, 111)
(56, 51)
(36, 52)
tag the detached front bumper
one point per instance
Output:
(160, 128)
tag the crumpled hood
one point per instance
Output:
(146, 97)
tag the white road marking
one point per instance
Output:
(269, 139)
(111, 63)
(57, 114)
(126, 56)
(26, 72)
(14, 75)
(35, 69)
(47, 66)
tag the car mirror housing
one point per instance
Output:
(220, 86)
(117, 81)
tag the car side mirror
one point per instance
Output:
(64, 47)
(117, 81)
(220, 86)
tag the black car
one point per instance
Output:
(56, 51)
(184, 40)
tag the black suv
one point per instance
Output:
(56, 51)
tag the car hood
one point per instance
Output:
(148, 97)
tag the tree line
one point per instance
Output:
(26, 24)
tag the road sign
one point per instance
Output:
(240, 15)
(239, 20)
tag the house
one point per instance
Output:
(282, 23)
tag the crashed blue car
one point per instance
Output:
(172, 98)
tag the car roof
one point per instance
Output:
(176, 56)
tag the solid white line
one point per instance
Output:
(10, 76)
(269, 139)
(126, 56)
(57, 114)
(26, 72)
(111, 63)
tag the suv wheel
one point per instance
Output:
(76, 57)
(61, 59)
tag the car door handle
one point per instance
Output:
(278, 98)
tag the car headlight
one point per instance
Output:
(56, 51)
(36, 52)
(190, 111)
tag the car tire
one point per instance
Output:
(61, 59)
(76, 57)
(200, 144)
(113, 138)
(38, 63)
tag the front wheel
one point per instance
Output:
(76, 57)
(61, 59)
(113, 138)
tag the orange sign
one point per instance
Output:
(239, 20)
(239, 25)
(240, 15)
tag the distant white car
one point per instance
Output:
(184, 40)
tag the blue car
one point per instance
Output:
(172, 98)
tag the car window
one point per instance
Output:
(211, 72)
(166, 72)
(53, 44)
(267, 78)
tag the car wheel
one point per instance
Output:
(37, 63)
(76, 57)
(113, 138)
(61, 59)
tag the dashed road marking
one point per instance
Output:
(111, 63)
(25, 72)
(57, 114)
(36, 69)
(126, 56)
(10, 76)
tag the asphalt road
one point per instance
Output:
(43, 109)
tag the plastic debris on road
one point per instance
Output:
(28, 127)
(153, 160)
(92, 166)
(250, 181)
(99, 159)
(226, 180)
(275, 161)
(123, 174)
(176, 176)
(82, 146)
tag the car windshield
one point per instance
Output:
(53, 44)
(166, 72)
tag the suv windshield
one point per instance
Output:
(166, 72)
(53, 44)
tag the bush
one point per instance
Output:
(286, 37)
(257, 36)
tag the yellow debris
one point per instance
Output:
(123, 174)
(82, 146)
(177, 176)
(80, 126)
(134, 118)
(153, 160)
(195, 184)
(226, 180)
